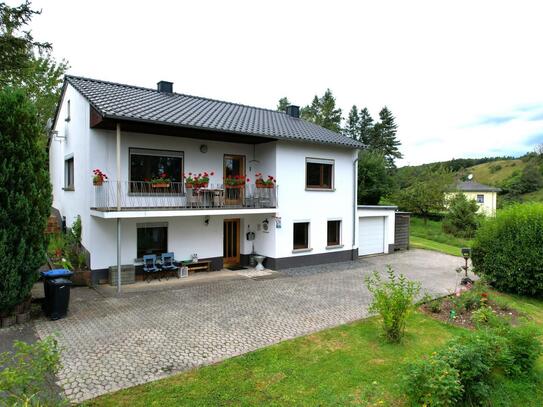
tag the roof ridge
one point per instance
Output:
(124, 85)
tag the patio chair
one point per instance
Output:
(150, 267)
(168, 265)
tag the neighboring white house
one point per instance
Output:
(484, 195)
(135, 135)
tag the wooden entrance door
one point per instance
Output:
(234, 166)
(231, 242)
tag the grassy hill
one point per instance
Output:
(496, 172)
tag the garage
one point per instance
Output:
(375, 229)
(371, 235)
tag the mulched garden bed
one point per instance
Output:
(441, 308)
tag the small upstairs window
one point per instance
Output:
(480, 198)
(68, 113)
(319, 174)
(69, 173)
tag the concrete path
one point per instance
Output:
(111, 343)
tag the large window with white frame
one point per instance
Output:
(156, 171)
(319, 174)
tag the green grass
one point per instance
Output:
(347, 365)
(482, 173)
(421, 243)
(429, 235)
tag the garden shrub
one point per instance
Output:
(508, 250)
(392, 300)
(24, 374)
(432, 382)
(524, 346)
(461, 219)
(25, 197)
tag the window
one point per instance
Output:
(152, 239)
(69, 173)
(480, 199)
(301, 235)
(319, 173)
(146, 165)
(334, 233)
(68, 117)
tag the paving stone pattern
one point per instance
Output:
(113, 343)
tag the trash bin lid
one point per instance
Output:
(57, 273)
(60, 281)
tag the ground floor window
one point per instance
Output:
(334, 233)
(152, 239)
(301, 235)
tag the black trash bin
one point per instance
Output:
(59, 298)
(49, 276)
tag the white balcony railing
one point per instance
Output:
(136, 195)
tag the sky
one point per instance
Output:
(463, 78)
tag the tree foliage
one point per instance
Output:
(352, 126)
(323, 111)
(426, 195)
(461, 219)
(25, 197)
(26, 63)
(282, 104)
(383, 137)
(374, 180)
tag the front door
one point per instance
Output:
(234, 166)
(231, 241)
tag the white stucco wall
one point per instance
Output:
(296, 204)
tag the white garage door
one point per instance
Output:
(371, 235)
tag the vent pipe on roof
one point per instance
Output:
(293, 111)
(165, 86)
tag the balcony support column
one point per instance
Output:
(118, 154)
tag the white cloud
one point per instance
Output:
(440, 67)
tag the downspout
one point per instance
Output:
(355, 203)
(118, 154)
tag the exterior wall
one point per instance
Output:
(317, 207)
(390, 219)
(72, 203)
(186, 235)
(487, 208)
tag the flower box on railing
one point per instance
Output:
(238, 186)
(97, 182)
(160, 185)
(263, 185)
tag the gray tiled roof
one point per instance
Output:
(118, 101)
(472, 186)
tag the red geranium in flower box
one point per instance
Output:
(264, 183)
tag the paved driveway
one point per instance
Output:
(112, 343)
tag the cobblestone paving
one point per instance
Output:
(113, 343)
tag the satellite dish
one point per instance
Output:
(470, 177)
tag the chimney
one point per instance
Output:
(293, 111)
(164, 87)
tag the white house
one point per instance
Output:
(136, 136)
(484, 195)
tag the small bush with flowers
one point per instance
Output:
(98, 177)
(200, 180)
(236, 181)
(161, 180)
(264, 183)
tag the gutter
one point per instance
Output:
(355, 202)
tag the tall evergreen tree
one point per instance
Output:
(352, 127)
(26, 63)
(383, 137)
(366, 127)
(282, 105)
(25, 197)
(323, 112)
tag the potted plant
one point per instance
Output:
(200, 180)
(161, 182)
(98, 178)
(264, 183)
(235, 182)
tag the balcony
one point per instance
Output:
(113, 196)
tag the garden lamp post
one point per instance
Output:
(466, 254)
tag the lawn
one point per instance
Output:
(429, 235)
(347, 365)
